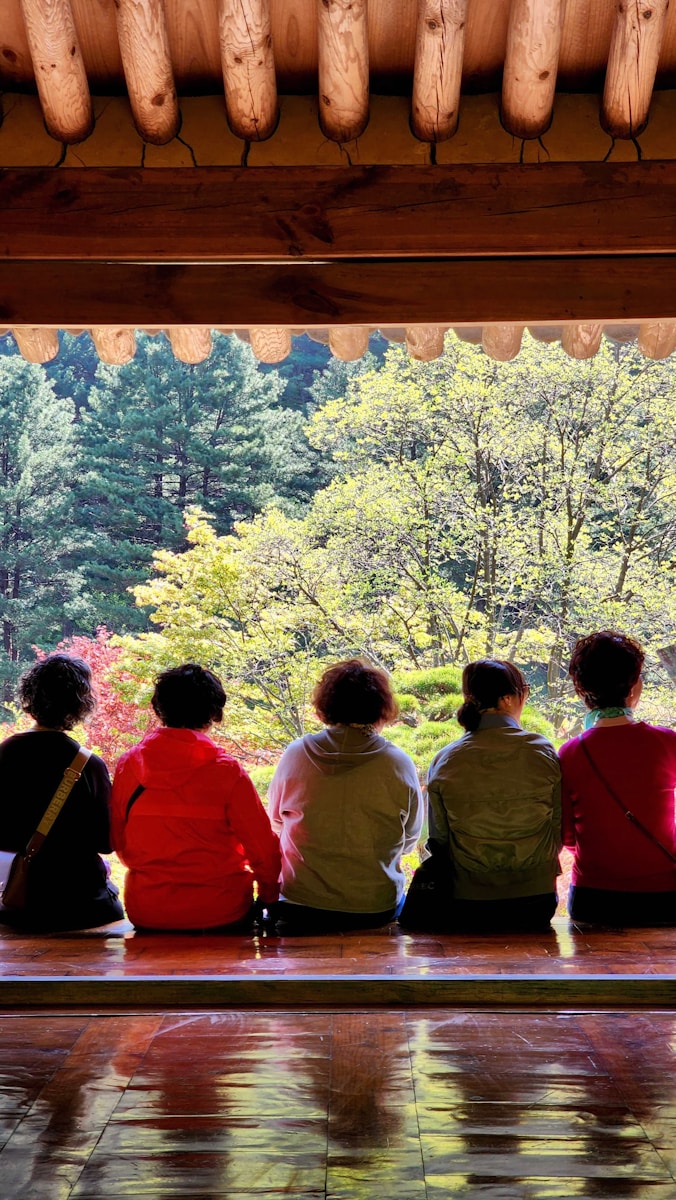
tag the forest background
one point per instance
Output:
(266, 521)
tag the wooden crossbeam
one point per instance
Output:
(397, 293)
(146, 59)
(323, 213)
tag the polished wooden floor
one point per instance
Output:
(340, 1105)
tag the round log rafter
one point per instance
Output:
(146, 60)
(248, 65)
(60, 75)
(531, 65)
(437, 75)
(343, 59)
(634, 54)
(62, 38)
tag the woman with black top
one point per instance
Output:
(69, 886)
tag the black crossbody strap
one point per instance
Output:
(133, 798)
(627, 811)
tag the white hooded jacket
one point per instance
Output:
(347, 805)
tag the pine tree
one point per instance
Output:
(159, 435)
(40, 587)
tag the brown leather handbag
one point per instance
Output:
(15, 892)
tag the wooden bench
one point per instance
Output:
(117, 967)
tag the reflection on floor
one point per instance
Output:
(344, 1105)
(119, 952)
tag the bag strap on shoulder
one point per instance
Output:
(70, 777)
(630, 816)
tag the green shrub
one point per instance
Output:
(443, 708)
(261, 776)
(408, 704)
(437, 681)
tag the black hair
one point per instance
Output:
(354, 693)
(484, 683)
(604, 668)
(57, 692)
(188, 697)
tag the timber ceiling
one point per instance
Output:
(434, 53)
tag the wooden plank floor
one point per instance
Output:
(338, 1105)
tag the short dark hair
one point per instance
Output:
(604, 667)
(188, 697)
(354, 693)
(57, 692)
(484, 683)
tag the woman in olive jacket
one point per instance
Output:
(495, 808)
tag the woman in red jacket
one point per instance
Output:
(618, 793)
(186, 819)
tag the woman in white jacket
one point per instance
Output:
(347, 805)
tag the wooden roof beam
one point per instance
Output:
(502, 341)
(349, 342)
(270, 345)
(114, 346)
(582, 341)
(343, 55)
(437, 75)
(657, 339)
(321, 213)
(37, 344)
(388, 293)
(59, 70)
(190, 344)
(248, 65)
(531, 65)
(146, 59)
(635, 47)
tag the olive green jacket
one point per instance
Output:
(494, 800)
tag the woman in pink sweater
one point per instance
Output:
(618, 780)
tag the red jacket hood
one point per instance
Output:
(168, 757)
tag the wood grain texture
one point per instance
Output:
(326, 213)
(115, 346)
(485, 42)
(16, 67)
(582, 341)
(343, 61)
(631, 288)
(657, 339)
(190, 345)
(270, 345)
(440, 42)
(531, 65)
(349, 342)
(192, 26)
(425, 342)
(248, 67)
(97, 31)
(146, 58)
(587, 29)
(502, 341)
(37, 345)
(632, 65)
(59, 70)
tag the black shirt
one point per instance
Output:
(67, 871)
